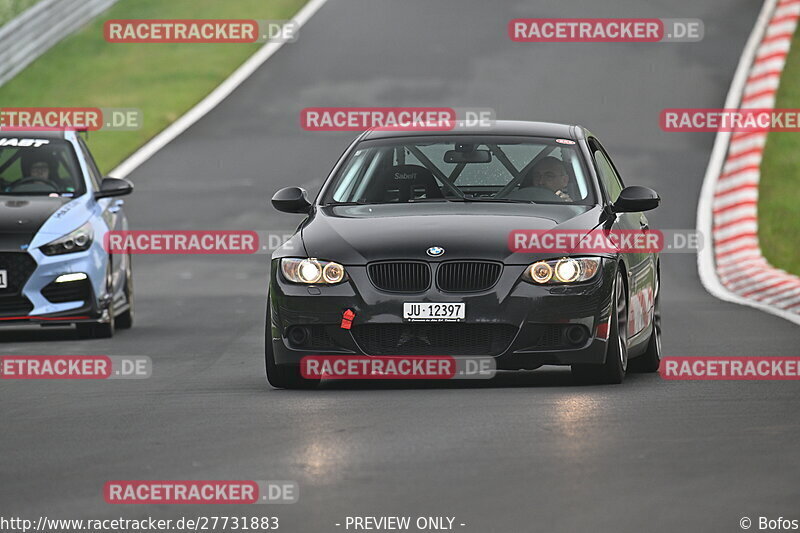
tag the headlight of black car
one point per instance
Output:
(564, 270)
(76, 241)
(312, 271)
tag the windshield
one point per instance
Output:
(462, 168)
(39, 167)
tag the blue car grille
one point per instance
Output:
(18, 266)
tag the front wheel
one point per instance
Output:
(125, 319)
(282, 376)
(616, 364)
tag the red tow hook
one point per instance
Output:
(347, 319)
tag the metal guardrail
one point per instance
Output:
(38, 28)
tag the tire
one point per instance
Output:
(611, 372)
(282, 376)
(125, 320)
(651, 359)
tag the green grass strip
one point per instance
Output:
(779, 188)
(163, 80)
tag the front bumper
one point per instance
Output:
(521, 325)
(33, 298)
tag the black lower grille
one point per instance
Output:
(467, 276)
(15, 305)
(312, 336)
(406, 276)
(434, 339)
(549, 336)
(67, 292)
(18, 266)
(553, 336)
(320, 338)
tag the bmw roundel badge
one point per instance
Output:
(435, 251)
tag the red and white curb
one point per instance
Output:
(733, 268)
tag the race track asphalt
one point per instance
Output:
(524, 452)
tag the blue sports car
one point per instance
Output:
(55, 210)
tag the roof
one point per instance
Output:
(497, 127)
(31, 134)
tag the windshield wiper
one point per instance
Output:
(500, 200)
(412, 201)
(419, 200)
(423, 200)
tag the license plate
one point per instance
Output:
(433, 312)
(3, 279)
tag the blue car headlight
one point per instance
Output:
(564, 270)
(76, 241)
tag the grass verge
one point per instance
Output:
(163, 80)
(779, 188)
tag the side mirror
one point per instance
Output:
(113, 187)
(291, 200)
(636, 198)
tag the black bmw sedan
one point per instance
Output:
(409, 250)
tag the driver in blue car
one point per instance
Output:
(36, 165)
(40, 170)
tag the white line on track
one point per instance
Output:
(213, 99)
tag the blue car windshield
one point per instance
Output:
(32, 166)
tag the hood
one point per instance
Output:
(21, 217)
(354, 235)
